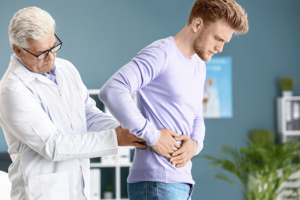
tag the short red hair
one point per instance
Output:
(213, 10)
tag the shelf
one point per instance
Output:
(291, 98)
(115, 199)
(110, 165)
(291, 133)
(117, 166)
(94, 91)
(288, 117)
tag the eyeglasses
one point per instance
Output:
(44, 54)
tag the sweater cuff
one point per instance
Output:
(199, 146)
(149, 133)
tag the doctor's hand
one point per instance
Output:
(125, 138)
(166, 144)
(185, 153)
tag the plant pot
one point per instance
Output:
(287, 93)
(108, 195)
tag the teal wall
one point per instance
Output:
(100, 36)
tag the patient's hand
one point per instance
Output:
(166, 144)
(125, 138)
(184, 154)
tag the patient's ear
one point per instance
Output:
(197, 24)
(17, 51)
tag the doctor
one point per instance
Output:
(51, 125)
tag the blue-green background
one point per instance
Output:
(100, 36)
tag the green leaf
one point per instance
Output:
(256, 168)
(223, 177)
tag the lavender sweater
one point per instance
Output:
(169, 89)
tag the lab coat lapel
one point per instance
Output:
(44, 79)
(24, 74)
(60, 81)
(17, 68)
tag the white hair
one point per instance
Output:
(31, 22)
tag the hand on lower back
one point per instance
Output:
(166, 143)
(185, 153)
(125, 138)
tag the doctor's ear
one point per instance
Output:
(17, 50)
(197, 24)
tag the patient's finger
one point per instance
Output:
(177, 158)
(167, 155)
(179, 151)
(182, 138)
(176, 145)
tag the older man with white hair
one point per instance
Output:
(50, 123)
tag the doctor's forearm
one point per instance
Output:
(79, 146)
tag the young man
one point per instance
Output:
(169, 76)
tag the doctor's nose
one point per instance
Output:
(50, 56)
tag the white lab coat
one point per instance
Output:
(51, 132)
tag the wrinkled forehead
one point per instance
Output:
(41, 45)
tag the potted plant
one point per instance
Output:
(287, 84)
(260, 169)
(108, 193)
(264, 137)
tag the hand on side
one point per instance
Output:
(185, 152)
(125, 138)
(166, 144)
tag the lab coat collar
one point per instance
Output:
(24, 74)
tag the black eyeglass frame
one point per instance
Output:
(47, 50)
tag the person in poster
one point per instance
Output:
(217, 99)
(211, 102)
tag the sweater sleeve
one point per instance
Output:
(198, 131)
(115, 94)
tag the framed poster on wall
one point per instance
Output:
(217, 98)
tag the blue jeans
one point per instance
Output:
(149, 190)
